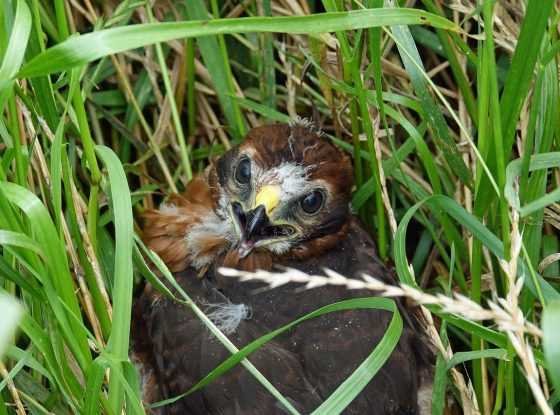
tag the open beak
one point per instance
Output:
(255, 224)
(252, 225)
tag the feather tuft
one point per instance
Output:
(227, 316)
(307, 124)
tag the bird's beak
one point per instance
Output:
(255, 224)
(256, 220)
(252, 224)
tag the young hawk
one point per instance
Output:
(281, 198)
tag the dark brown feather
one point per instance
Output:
(307, 364)
(257, 260)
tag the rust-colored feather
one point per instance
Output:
(165, 229)
(256, 260)
(318, 245)
(273, 144)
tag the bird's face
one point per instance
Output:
(283, 187)
(271, 208)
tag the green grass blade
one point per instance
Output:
(26, 284)
(439, 385)
(20, 240)
(45, 234)
(94, 376)
(66, 382)
(269, 113)
(123, 278)
(185, 159)
(216, 60)
(461, 357)
(537, 162)
(13, 57)
(450, 45)
(79, 50)
(551, 340)
(42, 85)
(520, 73)
(478, 230)
(268, 73)
(414, 67)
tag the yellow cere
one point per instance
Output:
(269, 196)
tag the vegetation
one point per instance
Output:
(449, 108)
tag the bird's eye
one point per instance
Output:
(312, 202)
(243, 171)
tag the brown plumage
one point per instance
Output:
(279, 199)
(165, 229)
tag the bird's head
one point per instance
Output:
(284, 190)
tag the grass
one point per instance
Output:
(450, 114)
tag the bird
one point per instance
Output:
(280, 199)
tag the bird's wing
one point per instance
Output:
(331, 347)
(177, 350)
(306, 364)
